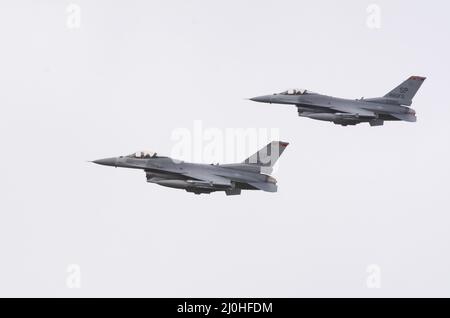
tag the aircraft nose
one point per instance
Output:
(106, 162)
(262, 99)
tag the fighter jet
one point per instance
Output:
(251, 174)
(375, 111)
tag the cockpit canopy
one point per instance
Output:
(296, 92)
(143, 155)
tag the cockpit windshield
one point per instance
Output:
(143, 155)
(296, 92)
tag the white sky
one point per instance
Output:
(136, 71)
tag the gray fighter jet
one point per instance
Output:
(252, 174)
(375, 111)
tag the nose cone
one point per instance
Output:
(106, 162)
(262, 99)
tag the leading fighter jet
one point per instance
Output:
(375, 111)
(252, 174)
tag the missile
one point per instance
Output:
(177, 184)
(184, 184)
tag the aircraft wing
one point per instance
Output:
(221, 181)
(357, 111)
(265, 186)
(208, 177)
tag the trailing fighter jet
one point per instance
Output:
(375, 111)
(252, 174)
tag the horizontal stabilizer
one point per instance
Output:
(265, 186)
(406, 117)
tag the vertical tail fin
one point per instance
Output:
(405, 92)
(268, 156)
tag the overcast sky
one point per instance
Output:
(124, 76)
